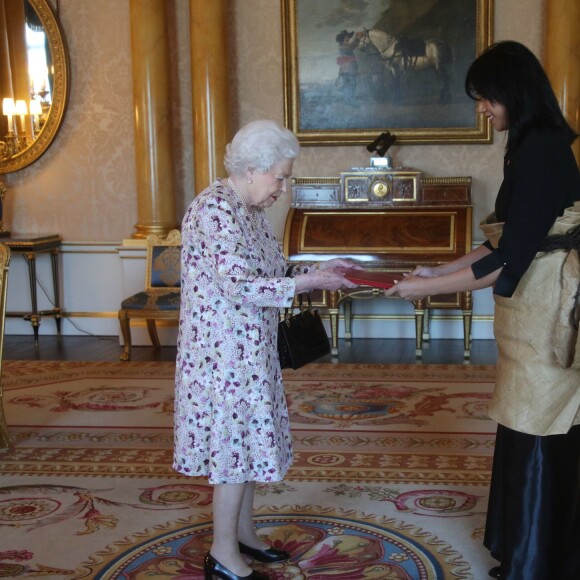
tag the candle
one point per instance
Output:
(22, 110)
(36, 111)
(8, 109)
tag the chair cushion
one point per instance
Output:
(155, 300)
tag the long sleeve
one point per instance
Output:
(540, 181)
(234, 257)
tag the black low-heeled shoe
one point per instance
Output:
(211, 568)
(495, 572)
(268, 556)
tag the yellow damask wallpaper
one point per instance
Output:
(84, 187)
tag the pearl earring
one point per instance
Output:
(250, 181)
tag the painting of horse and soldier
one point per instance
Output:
(397, 64)
(403, 56)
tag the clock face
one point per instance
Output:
(380, 189)
(373, 188)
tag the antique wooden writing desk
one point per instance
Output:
(428, 226)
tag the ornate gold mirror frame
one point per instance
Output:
(59, 77)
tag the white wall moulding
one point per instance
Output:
(96, 277)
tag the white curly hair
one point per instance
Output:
(259, 145)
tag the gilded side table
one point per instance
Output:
(31, 245)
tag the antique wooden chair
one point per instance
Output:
(4, 262)
(160, 299)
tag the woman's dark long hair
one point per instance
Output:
(508, 73)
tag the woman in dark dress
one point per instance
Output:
(531, 261)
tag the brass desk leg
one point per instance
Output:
(333, 314)
(467, 308)
(34, 318)
(467, 316)
(426, 327)
(347, 305)
(55, 285)
(419, 325)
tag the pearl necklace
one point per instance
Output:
(249, 212)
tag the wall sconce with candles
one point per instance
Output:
(9, 145)
(17, 139)
(9, 110)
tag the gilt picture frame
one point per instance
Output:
(399, 66)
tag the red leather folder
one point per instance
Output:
(372, 278)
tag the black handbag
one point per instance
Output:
(302, 337)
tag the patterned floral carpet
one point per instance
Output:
(390, 477)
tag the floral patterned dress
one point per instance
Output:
(231, 418)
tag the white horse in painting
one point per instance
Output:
(404, 55)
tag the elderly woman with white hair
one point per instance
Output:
(231, 418)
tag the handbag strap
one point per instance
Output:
(288, 274)
(301, 301)
(287, 311)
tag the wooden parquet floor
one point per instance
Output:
(367, 351)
